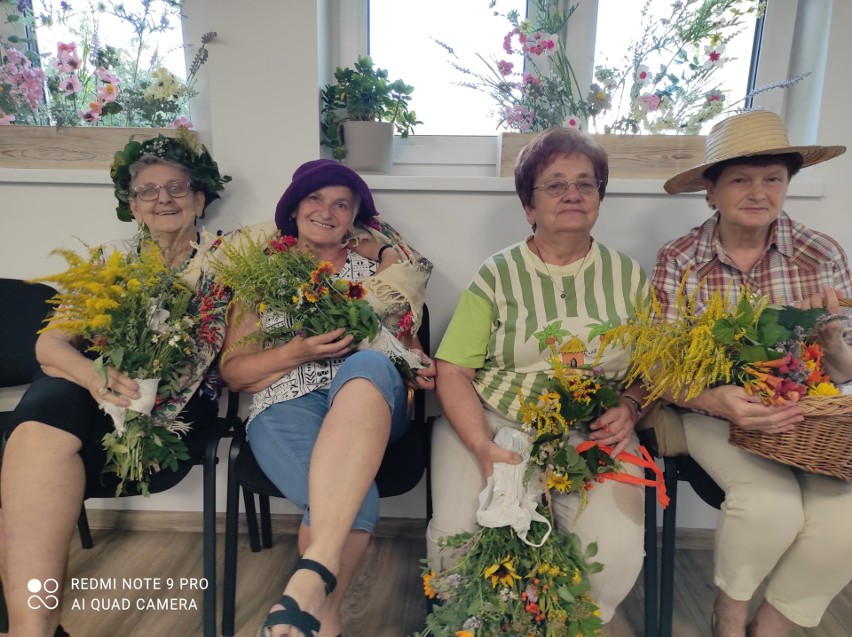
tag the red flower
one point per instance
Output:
(356, 291)
(282, 244)
(405, 323)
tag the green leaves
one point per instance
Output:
(364, 93)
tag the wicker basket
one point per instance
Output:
(822, 443)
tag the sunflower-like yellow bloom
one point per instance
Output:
(559, 482)
(427, 584)
(502, 573)
(823, 389)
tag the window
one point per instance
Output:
(402, 37)
(120, 63)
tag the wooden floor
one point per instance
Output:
(386, 602)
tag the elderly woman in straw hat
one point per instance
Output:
(777, 523)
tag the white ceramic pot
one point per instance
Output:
(369, 146)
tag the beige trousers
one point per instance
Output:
(793, 527)
(613, 516)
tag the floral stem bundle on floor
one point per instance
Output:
(767, 349)
(273, 275)
(132, 310)
(531, 582)
(502, 586)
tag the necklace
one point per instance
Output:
(552, 279)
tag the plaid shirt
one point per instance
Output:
(797, 262)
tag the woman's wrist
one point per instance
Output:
(635, 406)
(387, 253)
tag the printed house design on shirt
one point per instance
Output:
(572, 352)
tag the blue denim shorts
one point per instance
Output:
(282, 436)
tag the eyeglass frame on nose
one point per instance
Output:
(169, 186)
(595, 186)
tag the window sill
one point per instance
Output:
(802, 189)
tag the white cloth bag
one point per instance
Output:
(143, 405)
(506, 500)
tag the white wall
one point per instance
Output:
(262, 123)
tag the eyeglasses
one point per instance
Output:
(152, 192)
(557, 187)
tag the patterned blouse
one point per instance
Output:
(315, 374)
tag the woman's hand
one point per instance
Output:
(332, 344)
(733, 403)
(615, 427)
(425, 378)
(118, 389)
(838, 354)
(489, 452)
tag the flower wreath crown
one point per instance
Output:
(183, 150)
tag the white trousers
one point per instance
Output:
(613, 516)
(793, 527)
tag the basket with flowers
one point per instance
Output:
(272, 276)
(769, 350)
(504, 582)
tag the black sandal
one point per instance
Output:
(291, 614)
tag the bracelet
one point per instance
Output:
(636, 404)
(387, 246)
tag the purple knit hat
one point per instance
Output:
(310, 177)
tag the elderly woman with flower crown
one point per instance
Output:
(53, 455)
(779, 524)
(322, 414)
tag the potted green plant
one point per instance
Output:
(361, 108)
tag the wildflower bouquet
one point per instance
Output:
(764, 348)
(132, 310)
(574, 396)
(500, 584)
(275, 276)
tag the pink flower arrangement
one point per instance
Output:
(88, 81)
(20, 80)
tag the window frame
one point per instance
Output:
(423, 154)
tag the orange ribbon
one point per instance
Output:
(646, 462)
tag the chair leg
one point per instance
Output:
(251, 520)
(209, 523)
(232, 512)
(668, 556)
(649, 570)
(83, 529)
(265, 522)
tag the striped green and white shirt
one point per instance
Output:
(511, 319)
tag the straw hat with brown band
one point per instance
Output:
(744, 135)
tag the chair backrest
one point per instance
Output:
(23, 308)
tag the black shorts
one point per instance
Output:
(67, 406)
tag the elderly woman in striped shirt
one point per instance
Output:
(558, 283)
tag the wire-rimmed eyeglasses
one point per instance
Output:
(557, 187)
(150, 192)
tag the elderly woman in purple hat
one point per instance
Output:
(786, 526)
(322, 415)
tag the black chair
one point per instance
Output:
(22, 313)
(676, 468)
(401, 470)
